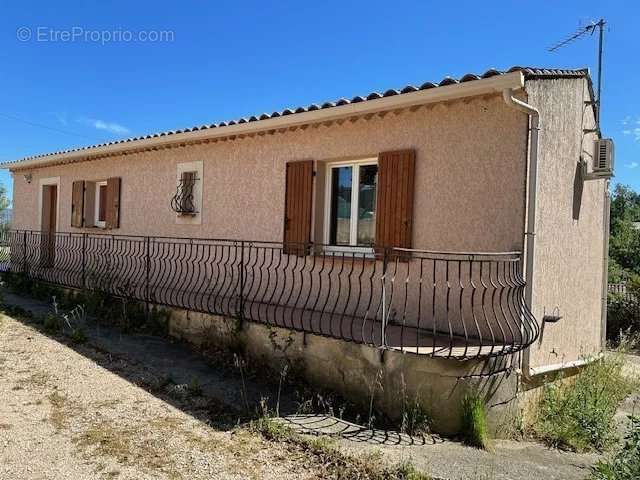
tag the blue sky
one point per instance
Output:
(222, 60)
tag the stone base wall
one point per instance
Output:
(357, 372)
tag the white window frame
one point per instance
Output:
(96, 214)
(355, 181)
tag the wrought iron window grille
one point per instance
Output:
(183, 202)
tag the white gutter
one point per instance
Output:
(491, 85)
(530, 229)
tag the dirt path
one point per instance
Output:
(64, 417)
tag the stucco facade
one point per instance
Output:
(471, 181)
(476, 147)
(568, 272)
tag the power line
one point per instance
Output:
(53, 129)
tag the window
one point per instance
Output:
(100, 214)
(187, 198)
(183, 202)
(350, 210)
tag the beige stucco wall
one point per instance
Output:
(569, 237)
(470, 168)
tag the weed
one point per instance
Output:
(52, 323)
(59, 415)
(195, 388)
(415, 420)
(579, 415)
(335, 462)
(474, 421)
(624, 464)
(78, 336)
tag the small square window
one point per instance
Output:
(350, 217)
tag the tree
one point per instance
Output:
(624, 240)
(4, 204)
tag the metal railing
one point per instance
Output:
(454, 305)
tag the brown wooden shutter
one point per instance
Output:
(394, 206)
(77, 203)
(113, 203)
(298, 204)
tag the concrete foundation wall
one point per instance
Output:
(358, 371)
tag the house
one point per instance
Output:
(427, 240)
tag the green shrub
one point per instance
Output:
(474, 421)
(78, 335)
(415, 420)
(52, 323)
(625, 463)
(578, 414)
(623, 315)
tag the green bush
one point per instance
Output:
(474, 421)
(625, 463)
(52, 323)
(78, 335)
(623, 315)
(578, 414)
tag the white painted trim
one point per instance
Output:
(557, 367)
(472, 88)
(41, 183)
(353, 234)
(96, 201)
(198, 167)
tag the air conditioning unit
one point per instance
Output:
(602, 161)
(603, 158)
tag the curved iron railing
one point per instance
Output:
(453, 305)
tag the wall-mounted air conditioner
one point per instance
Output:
(602, 161)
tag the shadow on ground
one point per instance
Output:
(209, 389)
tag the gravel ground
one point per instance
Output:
(62, 416)
(81, 412)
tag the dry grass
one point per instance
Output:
(37, 379)
(60, 410)
(126, 446)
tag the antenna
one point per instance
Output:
(582, 31)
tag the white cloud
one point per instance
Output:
(634, 132)
(632, 165)
(111, 127)
(626, 120)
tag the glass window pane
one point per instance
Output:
(102, 198)
(340, 220)
(367, 204)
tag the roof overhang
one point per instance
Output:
(484, 86)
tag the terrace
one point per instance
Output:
(441, 304)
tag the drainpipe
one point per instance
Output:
(530, 230)
(605, 262)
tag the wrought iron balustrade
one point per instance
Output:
(453, 305)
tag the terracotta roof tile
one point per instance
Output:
(529, 72)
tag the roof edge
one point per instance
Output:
(493, 84)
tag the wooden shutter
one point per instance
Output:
(77, 203)
(394, 206)
(113, 203)
(298, 204)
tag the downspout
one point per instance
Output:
(605, 262)
(530, 229)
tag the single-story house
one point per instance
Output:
(432, 239)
